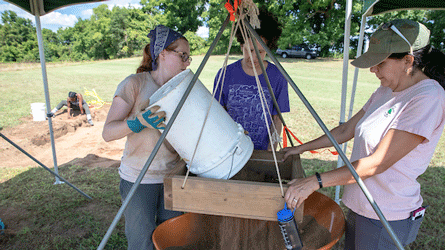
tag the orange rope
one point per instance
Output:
(232, 9)
(312, 151)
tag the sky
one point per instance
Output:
(68, 16)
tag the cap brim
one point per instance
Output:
(367, 60)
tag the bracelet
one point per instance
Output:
(319, 179)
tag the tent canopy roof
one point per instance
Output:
(46, 6)
(375, 7)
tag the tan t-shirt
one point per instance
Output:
(136, 90)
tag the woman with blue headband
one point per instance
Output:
(395, 135)
(167, 55)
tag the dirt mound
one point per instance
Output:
(75, 140)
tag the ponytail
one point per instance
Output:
(434, 65)
(146, 65)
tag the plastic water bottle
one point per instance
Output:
(289, 229)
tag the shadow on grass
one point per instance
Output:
(41, 215)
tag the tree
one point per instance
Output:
(17, 38)
(129, 30)
(180, 15)
(436, 24)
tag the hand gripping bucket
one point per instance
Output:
(223, 148)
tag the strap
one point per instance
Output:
(320, 183)
(298, 140)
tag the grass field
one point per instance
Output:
(59, 219)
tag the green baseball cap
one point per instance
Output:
(397, 36)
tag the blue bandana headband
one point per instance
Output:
(160, 38)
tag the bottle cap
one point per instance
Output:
(285, 215)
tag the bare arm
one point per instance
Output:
(115, 126)
(68, 105)
(394, 146)
(80, 99)
(341, 134)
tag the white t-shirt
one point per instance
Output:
(419, 109)
(136, 90)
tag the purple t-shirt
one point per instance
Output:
(241, 99)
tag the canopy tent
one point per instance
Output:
(372, 8)
(376, 7)
(42, 7)
(39, 8)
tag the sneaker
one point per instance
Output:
(90, 122)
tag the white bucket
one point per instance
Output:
(38, 111)
(223, 149)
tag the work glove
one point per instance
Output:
(147, 118)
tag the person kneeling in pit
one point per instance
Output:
(74, 101)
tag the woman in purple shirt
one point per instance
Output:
(240, 95)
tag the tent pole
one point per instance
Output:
(45, 86)
(344, 88)
(163, 135)
(45, 167)
(333, 141)
(359, 53)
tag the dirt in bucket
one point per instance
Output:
(224, 232)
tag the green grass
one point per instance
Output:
(56, 217)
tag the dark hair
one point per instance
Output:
(270, 29)
(145, 65)
(72, 94)
(429, 60)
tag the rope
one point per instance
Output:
(247, 7)
(312, 151)
(211, 102)
(98, 100)
(262, 99)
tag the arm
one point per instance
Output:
(394, 146)
(68, 105)
(341, 134)
(115, 125)
(80, 99)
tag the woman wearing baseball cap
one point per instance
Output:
(395, 135)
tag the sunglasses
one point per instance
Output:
(391, 26)
(184, 56)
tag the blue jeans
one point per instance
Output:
(144, 213)
(368, 234)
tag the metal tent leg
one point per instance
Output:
(41, 164)
(45, 86)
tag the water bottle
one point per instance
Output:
(289, 229)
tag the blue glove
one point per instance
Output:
(147, 118)
(153, 119)
(135, 125)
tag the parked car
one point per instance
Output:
(298, 51)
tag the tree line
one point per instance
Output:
(122, 31)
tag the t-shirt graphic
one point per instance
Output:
(251, 117)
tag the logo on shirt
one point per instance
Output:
(389, 112)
